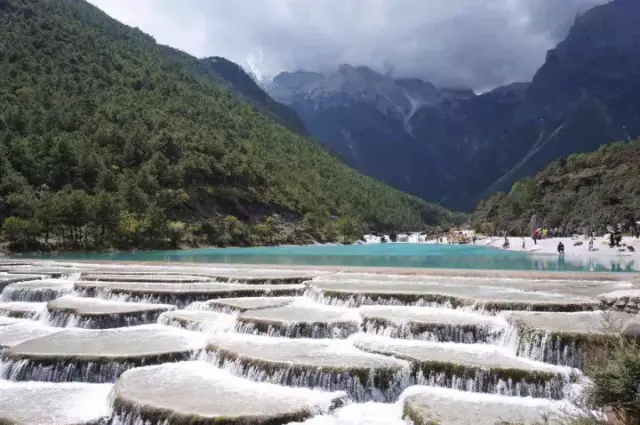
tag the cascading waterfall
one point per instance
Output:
(435, 332)
(361, 387)
(500, 377)
(544, 347)
(484, 381)
(354, 301)
(180, 300)
(25, 293)
(300, 330)
(35, 313)
(78, 370)
(64, 319)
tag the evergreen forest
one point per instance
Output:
(109, 140)
(583, 192)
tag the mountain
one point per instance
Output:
(587, 190)
(225, 73)
(366, 118)
(109, 139)
(455, 147)
(587, 93)
(405, 132)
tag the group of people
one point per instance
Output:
(544, 233)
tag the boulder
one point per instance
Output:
(631, 329)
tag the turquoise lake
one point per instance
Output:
(370, 255)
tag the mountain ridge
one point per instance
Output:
(584, 94)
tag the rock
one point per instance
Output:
(476, 293)
(23, 330)
(97, 356)
(239, 305)
(478, 368)
(430, 323)
(199, 393)
(330, 364)
(95, 313)
(430, 405)
(37, 290)
(182, 294)
(631, 329)
(30, 403)
(303, 319)
(143, 277)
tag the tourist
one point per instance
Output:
(591, 243)
(561, 248)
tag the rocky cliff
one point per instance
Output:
(456, 147)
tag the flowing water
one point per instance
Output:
(318, 348)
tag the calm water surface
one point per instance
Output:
(371, 255)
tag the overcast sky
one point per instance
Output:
(463, 43)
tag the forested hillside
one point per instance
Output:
(230, 75)
(108, 140)
(589, 190)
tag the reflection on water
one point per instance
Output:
(373, 255)
(620, 264)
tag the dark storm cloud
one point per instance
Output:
(471, 43)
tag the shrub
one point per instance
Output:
(616, 383)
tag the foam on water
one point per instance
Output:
(5, 321)
(370, 413)
(199, 320)
(37, 290)
(22, 310)
(53, 404)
